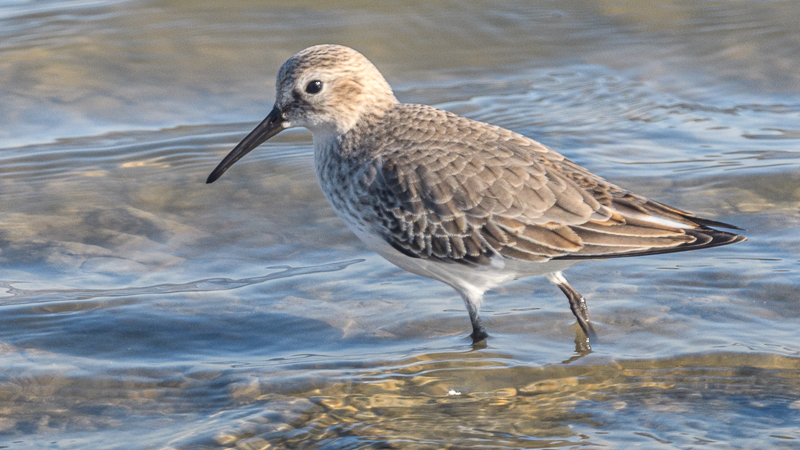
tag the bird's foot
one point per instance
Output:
(478, 335)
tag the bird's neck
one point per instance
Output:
(351, 142)
(372, 110)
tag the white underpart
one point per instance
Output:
(471, 282)
(556, 278)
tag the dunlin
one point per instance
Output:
(469, 204)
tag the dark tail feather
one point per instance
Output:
(704, 238)
(714, 223)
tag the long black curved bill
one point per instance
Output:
(269, 127)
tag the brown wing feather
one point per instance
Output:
(488, 191)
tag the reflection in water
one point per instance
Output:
(139, 306)
(429, 400)
(469, 399)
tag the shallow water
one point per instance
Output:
(141, 308)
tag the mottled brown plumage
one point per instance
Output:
(464, 202)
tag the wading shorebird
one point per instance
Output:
(469, 204)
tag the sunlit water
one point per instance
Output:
(141, 308)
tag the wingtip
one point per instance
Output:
(704, 238)
(717, 238)
(714, 223)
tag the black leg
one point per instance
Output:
(578, 306)
(478, 332)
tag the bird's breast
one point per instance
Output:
(342, 181)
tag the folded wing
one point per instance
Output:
(486, 191)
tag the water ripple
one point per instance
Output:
(16, 295)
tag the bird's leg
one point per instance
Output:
(478, 331)
(576, 303)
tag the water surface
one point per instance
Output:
(141, 308)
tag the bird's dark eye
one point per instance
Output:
(314, 87)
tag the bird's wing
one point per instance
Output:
(457, 190)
